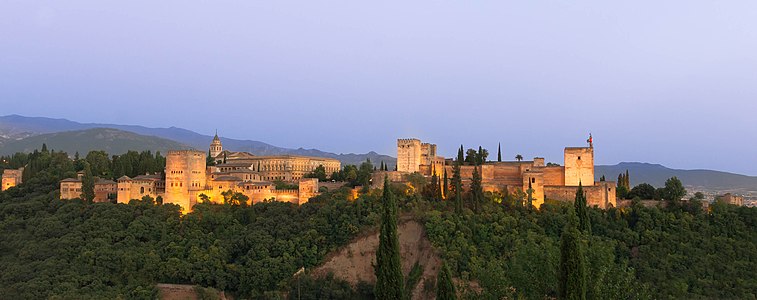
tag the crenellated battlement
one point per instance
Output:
(186, 152)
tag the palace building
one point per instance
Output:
(188, 179)
(546, 182)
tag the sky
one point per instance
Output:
(669, 82)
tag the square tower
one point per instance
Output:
(579, 166)
(408, 155)
(185, 177)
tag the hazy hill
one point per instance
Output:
(15, 127)
(113, 141)
(656, 175)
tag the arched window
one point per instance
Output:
(142, 190)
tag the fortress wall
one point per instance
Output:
(11, 178)
(408, 155)
(536, 180)
(579, 166)
(554, 175)
(595, 195)
(185, 172)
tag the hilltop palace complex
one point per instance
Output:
(547, 182)
(188, 180)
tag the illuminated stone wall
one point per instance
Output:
(408, 155)
(138, 187)
(536, 180)
(579, 166)
(70, 189)
(289, 168)
(185, 175)
(11, 178)
(308, 188)
(601, 195)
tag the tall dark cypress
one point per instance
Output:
(572, 271)
(388, 269)
(581, 210)
(530, 199)
(476, 189)
(88, 184)
(481, 158)
(627, 181)
(457, 181)
(445, 190)
(499, 152)
(433, 187)
(445, 288)
(439, 195)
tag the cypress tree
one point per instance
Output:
(627, 181)
(433, 188)
(476, 189)
(445, 189)
(530, 199)
(388, 270)
(499, 152)
(457, 182)
(439, 188)
(581, 210)
(88, 184)
(445, 289)
(481, 157)
(572, 271)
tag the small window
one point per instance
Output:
(533, 180)
(579, 158)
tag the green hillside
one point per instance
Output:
(112, 141)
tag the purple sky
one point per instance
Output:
(671, 82)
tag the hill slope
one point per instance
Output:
(13, 127)
(656, 175)
(112, 141)
(354, 262)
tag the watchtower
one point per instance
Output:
(579, 166)
(185, 177)
(408, 155)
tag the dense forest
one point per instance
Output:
(497, 246)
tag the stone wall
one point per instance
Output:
(601, 195)
(308, 188)
(579, 166)
(408, 155)
(185, 173)
(11, 178)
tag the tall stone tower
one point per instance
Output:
(579, 166)
(215, 146)
(408, 155)
(185, 177)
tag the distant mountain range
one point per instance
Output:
(656, 175)
(24, 134)
(113, 141)
(15, 129)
